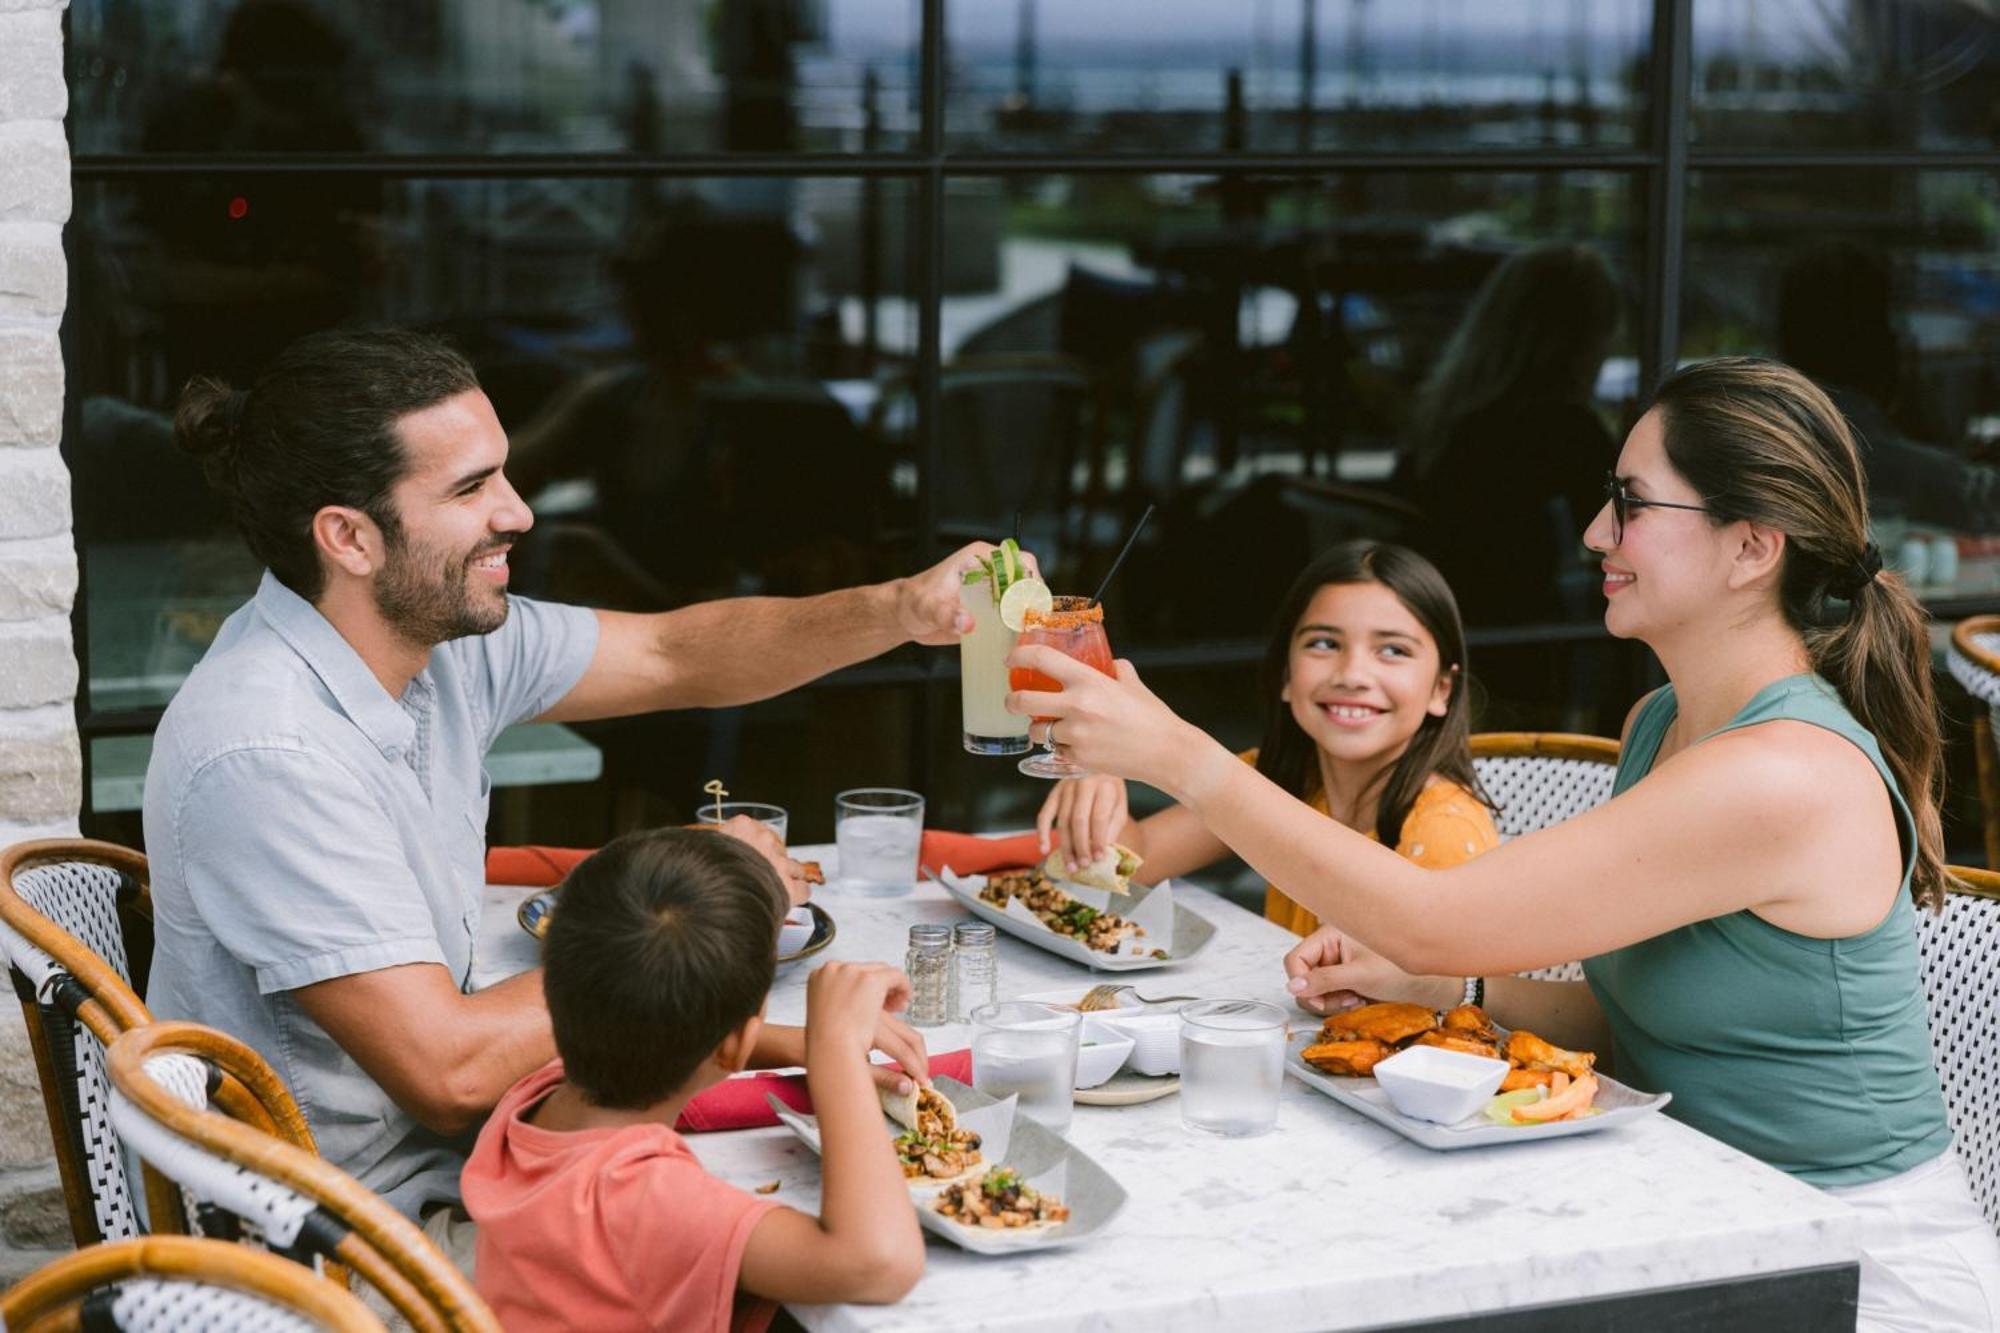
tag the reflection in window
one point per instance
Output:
(491, 76)
(1203, 75)
(1860, 74)
(1883, 286)
(1254, 357)
(689, 374)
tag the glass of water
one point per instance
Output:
(772, 817)
(1027, 1049)
(878, 831)
(1232, 1066)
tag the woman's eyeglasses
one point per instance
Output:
(1623, 502)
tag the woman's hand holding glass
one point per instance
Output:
(1109, 725)
(1329, 972)
(1082, 817)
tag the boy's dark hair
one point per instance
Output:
(316, 428)
(661, 944)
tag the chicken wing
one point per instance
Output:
(1471, 1020)
(1353, 1058)
(1518, 1079)
(1531, 1052)
(1390, 1023)
(1453, 1039)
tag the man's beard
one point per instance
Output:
(426, 596)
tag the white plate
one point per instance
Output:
(1616, 1103)
(1191, 934)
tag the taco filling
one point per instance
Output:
(1000, 1200)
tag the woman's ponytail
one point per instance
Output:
(1879, 658)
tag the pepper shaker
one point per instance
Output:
(975, 969)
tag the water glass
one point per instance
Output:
(1028, 1050)
(878, 831)
(772, 817)
(1232, 1066)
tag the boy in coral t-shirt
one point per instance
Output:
(592, 1211)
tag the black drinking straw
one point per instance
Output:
(1137, 528)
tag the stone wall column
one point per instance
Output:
(40, 772)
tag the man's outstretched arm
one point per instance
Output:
(737, 651)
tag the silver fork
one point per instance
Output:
(1101, 997)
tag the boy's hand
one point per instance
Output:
(850, 1009)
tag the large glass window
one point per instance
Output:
(759, 316)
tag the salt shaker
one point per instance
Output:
(975, 969)
(929, 967)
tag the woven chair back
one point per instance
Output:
(1974, 659)
(59, 927)
(180, 1284)
(1961, 964)
(296, 1200)
(1539, 778)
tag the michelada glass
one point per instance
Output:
(1075, 626)
(1028, 1050)
(982, 666)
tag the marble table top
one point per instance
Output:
(1328, 1222)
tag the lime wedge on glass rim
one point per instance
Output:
(1025, 594)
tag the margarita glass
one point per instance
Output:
(1073, 626)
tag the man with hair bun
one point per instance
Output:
(316, 803)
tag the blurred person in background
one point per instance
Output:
(1506, 455)
(1836, 324)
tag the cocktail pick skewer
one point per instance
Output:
(1137, 528)
(715, 788)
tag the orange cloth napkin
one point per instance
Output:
(541, 867)
(738, 1103)
(966, 853)
(970, 854)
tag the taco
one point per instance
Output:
(1111, 870)
(933, 1147)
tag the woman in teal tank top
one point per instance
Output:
(1746, 901)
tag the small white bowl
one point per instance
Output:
(796, 932)
(1156, 1040)
(1431, 1083)
(1100, 1052)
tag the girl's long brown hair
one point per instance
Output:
(1761, 442)
(1288, 756)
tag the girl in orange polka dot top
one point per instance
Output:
(1366, 720)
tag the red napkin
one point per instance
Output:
(541, 867)
(738, 1103)
(969, 854)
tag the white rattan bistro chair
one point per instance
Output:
(1961, 965)
(60, 928)
(298, 1203)
(1539, 778)
(65, 907)
(179, 1284)
(1974, 659)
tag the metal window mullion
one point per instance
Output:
(1666, 199)
(930, 355)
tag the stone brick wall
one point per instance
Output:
(40, 773)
